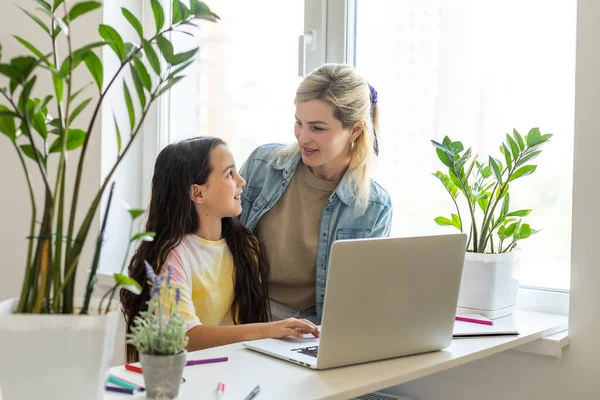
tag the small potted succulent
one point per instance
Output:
(490, 279)
(159, 336)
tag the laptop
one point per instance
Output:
(385, 298)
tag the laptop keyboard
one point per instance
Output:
(308, 351)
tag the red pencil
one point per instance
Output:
(475, 321)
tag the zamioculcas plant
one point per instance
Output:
(485, 188)
(50, 127)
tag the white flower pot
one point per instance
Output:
(55, 356)
(489, 284)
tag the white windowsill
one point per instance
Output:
(551, 346)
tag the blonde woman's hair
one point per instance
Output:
(350, 95)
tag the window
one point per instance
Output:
(242, 86)
(474, 70)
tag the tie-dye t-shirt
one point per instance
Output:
(203, 271)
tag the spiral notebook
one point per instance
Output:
(470, 329)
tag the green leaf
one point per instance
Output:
(166, 48)
(44, 4)
(7, 122)
(132, 50)
(75, 139)
(201, 11)
(523, 171)
(136, 212)
(456, 221)
(11, 72)
(484, 202)
(135, 23)
(58, 86)
(506, 153)
(113, 39)
(143, 74)
(56, 4)
(38, 122)
(505, 205)
(36, 20)
(444, 158)
(169, 85)
(79, 109)
(501, 233)
(443, 221)
(159, 14)
(130, 108)
(533, 138)
(139, 86)
(82, 8)
(28, 151)
(31, 48)
(528, 157)
(510, 229)
(496, 170)
(183, 57)
(25, 64)
(78, 56)
(514, 147)
(128, 283)
(176, 12)
(118, 132)
(94, 65)
(457, 147)
(519, 139)
(524, 232)
(179, 69)
(144, 236)
(152, 57)
(520, 213)
(546, 137)
(443, 148)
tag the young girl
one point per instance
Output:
(217, 264)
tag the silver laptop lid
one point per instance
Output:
(390, 297)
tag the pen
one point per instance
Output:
(207, 361)
(253, 393)
(119, 389)
(220, 389)
(122, 383)
(475, 321)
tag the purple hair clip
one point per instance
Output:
(374, 103)
(373, 95)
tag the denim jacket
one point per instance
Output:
(267, 180)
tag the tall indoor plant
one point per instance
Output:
(490, 276)
(45, 130)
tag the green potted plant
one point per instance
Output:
(490, 279)
(47, 331)
(159, 336)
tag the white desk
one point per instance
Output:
(283, 380)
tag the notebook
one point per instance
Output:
(469, 329)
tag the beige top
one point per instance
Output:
(290, 235)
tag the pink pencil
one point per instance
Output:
(475, 321)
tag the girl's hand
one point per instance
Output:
(291, 327)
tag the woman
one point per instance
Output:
(300, 199)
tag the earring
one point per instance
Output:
(201, 201)
(352, 145)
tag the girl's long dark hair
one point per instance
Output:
(172, 215)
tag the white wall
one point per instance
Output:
(521, 376)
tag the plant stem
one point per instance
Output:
(92, 276)
(114, 289)
(28, 266)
